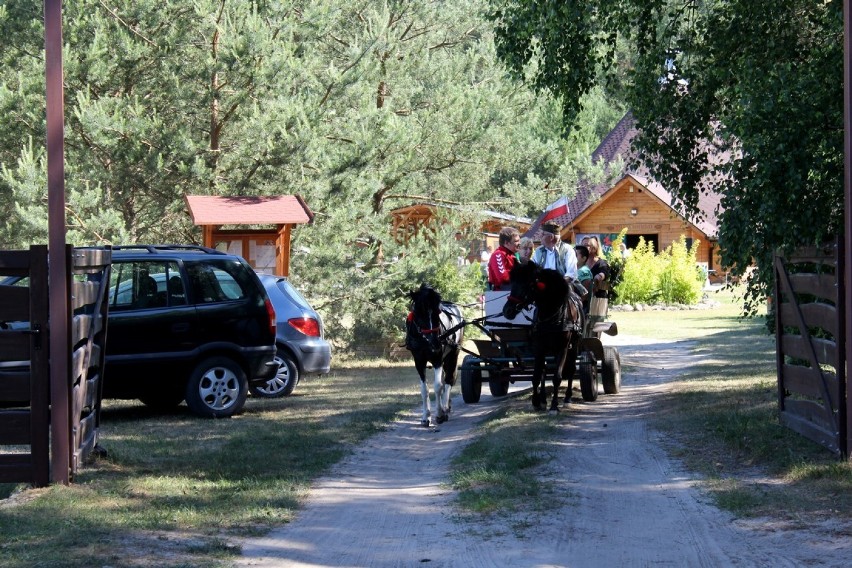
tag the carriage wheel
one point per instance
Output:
(588, 370)
(471, 379)
(498, 387)
(611, 370)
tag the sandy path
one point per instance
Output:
(622, 502)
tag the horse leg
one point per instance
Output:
(556, 381)
(425, 418)
(557, 378)
(539, 396)
(570, 367)
(442, 394)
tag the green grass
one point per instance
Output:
(722, 418)
(492, 473)
(174, 488)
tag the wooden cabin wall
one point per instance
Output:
(653, 217)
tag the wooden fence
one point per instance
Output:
(25, 416)
(810, 337)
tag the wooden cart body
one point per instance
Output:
(505, 355)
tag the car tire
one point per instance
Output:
(283, 383)
(217, 388)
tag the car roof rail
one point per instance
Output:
(154, 249)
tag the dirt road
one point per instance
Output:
(622, 501)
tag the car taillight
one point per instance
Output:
(308, 326)
(270, 311)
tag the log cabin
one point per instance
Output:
(635, 201)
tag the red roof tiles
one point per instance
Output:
(248, 210)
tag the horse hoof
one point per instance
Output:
(443, 418)
(426, 423)
(554, 410)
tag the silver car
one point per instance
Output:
(302, 348)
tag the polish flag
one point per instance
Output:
(558, 208)
(556, 212)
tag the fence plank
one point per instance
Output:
(15, 385)
(810, 430)
(805, 381)
(820, 285)
(15, 346)
(823, 316)
(15, 304)
(799, 347)
(15, 427)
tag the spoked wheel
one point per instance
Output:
(588, 370)
(611, 370)
(217, 388)
(471, 379)
(284, 381)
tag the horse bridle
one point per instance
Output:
(430, 334)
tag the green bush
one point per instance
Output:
(640, 276)
(672, 277)
(681, 280)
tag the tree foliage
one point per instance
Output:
(358, 106)
(738, 97)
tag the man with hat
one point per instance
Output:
(555, 254)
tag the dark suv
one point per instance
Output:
(187, 323)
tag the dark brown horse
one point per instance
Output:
(557, 326)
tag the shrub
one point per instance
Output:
(640, 276)
(672, 277)
(681, 280)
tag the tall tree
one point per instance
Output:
(359, 106)
(757, 83)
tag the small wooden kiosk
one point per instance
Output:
(267, 250)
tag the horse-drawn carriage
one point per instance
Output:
(555, 338)
(506, 353)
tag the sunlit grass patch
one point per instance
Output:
(498, 470)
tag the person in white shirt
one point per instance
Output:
(556, 254)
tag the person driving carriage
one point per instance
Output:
(554, 253)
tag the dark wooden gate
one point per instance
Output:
(25, 417)
(810, 346)
(24, 371)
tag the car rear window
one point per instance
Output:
(289, 290)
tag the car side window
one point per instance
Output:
(215, 282)
(141, 285)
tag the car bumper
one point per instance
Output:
(261, 364)
(314, 357)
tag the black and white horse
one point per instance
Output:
(434, 333)
(557, 326)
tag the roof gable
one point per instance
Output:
(617, 146)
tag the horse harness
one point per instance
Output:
(434, 337)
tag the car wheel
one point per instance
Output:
(217, 388)
(283, 383)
